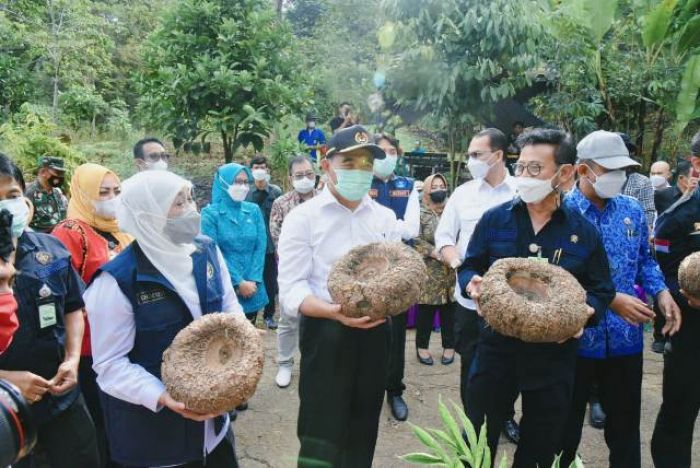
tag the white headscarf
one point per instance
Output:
(142, 211)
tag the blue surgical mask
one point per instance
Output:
(385, 167)
(20, 214)
(353, 184)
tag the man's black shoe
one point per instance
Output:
(657, 346)
(399, 409)
(596, 416)
(512, 431)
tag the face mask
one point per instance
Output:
(353, 184)
(311, 124)
(238, 192)
(159, 165)
(304, 185)
(438, 196)
(260, 174)
(55, 182)
(658, 181)
(478, 168)
(609, 184)
(184, 228)
(106, 208)
(20, 215)
(385, 167)
(533, 190)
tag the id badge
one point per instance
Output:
(539, 259)
(47, 315)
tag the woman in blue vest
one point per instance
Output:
(136, 305)
(238, 228)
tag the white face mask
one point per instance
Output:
(658, 181)
(20, 215)
(478, 168)
(533, 190)
(159, 165)
(610, 184)
(238, 192)
(304, 185)
(260, 174)
(106, 208)
(385, 167)
(311, 124)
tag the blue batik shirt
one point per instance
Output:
(623, 228)
(312, 137)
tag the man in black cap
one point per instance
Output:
(50, 204)
(343, 359)
(311, 136)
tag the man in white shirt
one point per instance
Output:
(491, 185)
(343, 359)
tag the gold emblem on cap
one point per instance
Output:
(361, 138)
(574, 238)
(43, 257)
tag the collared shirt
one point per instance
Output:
(264, 199)
(113, 333)
(281, 208)
(49, 206)
(567, 240)
(639, 186)
(318, 233)
(622, 227)
(312, 137)
(462, 211)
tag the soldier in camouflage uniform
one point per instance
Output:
(49, 202)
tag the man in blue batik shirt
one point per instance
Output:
(611, 352)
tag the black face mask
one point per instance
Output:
(55, 182)
(438, 196)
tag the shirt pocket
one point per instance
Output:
(575, 258)
(502, 249)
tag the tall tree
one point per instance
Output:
(222, 67)
(454, 58)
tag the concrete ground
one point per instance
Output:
(266, 433)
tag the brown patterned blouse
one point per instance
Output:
(441, 279)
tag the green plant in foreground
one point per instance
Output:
(448, 447)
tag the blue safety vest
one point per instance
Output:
(393, 193)
(138, 436)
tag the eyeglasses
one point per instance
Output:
(533, 168)
(304, 175)
(153, 157)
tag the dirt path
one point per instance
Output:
(266, 433)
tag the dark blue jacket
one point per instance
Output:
(138, 436)
(506, 231)
(45, 281)
(393, 193)
(677, 235)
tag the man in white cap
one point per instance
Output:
(610, 353)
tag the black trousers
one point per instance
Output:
(341, 390)
(397, 355)
(619, 382)
(493, 388)
(270, 280)
(659, 323)
(672, 441)
(68, 440)
(467, 336)
(424, 324)
(87, 378)
(223, 456)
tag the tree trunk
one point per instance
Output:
(658, 135)
(228, 156)
(94, 119)
(280, 4)
(641, 124)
